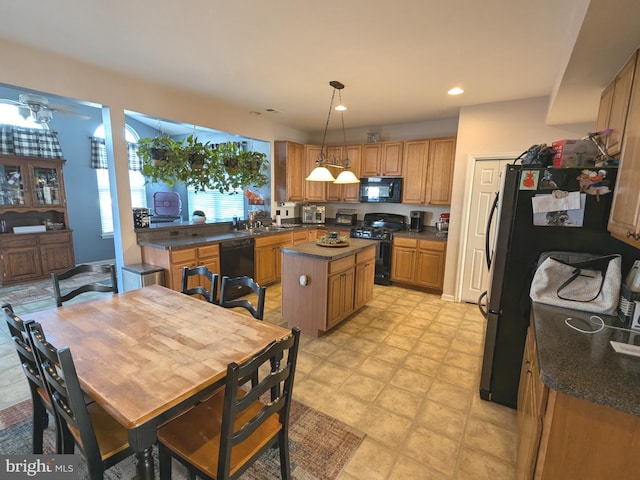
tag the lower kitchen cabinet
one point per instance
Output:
(341, 290)
(26, 257)
(173, 261)
(365, 276)
(418, 262)
(564, 437)
(268, 259)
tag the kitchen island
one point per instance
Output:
(578, 408)
(321, 286)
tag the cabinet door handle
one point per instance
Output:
(629, 234)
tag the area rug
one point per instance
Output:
(320, 446)
(43, 289)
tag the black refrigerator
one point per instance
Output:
(518, 240)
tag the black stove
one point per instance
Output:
(371, 233)
(380, 227)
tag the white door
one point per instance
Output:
(486, 183)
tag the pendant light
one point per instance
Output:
(321, 173)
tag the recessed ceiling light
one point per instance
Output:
(455, 91)
(272, 110)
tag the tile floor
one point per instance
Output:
(404, 370)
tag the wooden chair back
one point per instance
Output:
(40, 400)
(209, 294)
(257, 310)
(86, 423)
(239, 424)
(56, 278)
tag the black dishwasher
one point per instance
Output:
(236, 260)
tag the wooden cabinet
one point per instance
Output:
(313, 191)
(174, 260)
(428, 171)
(340, 290)
(268, 259)
(346, 192)
(624, 220)
(532, 395)
(418, 262)
(403, 260)
(414, 174)
(365, 275)
(440, 171)
(430, 260)
(561, 436)
(382, 159)
(318, 293)
(289, 171)
(25, 257)
(32, 194)
(614, 106)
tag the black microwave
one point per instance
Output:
(380, 190)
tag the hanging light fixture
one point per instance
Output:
(321, 173)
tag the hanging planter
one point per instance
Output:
(199, 165)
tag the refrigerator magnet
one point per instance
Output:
(529, 179)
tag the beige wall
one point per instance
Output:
(481, 130)
(494, 129)
(44, 72)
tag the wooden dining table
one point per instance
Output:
(145, 355)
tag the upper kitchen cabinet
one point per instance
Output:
(428, 171)
(440, 170)
(614, 106)
(346, 192)
(624, 220)
(382, 159)
(313, 191)
(289, 171)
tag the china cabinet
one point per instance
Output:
(32, 202)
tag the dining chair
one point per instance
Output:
(90, 286)
(98, 436)
(210, 293)
(227, 284)
(41, 403)
(223, 436)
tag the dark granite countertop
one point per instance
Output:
(585, 365)
(429, 233)
(327, 253)
(199, 235)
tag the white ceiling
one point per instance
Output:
(397, 59)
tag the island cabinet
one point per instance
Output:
(382, 159)
(25, 257)
(321, 287)
(624, 219)
(268, 259)
(173, 261)
(289, 171)
(428, 171)
(418, 262)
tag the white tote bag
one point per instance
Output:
(591, 285)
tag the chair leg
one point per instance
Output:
(40, 422)
(285, 464)
(164, 460)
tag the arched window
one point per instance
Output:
(136, 182)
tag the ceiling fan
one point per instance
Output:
(39, 108)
